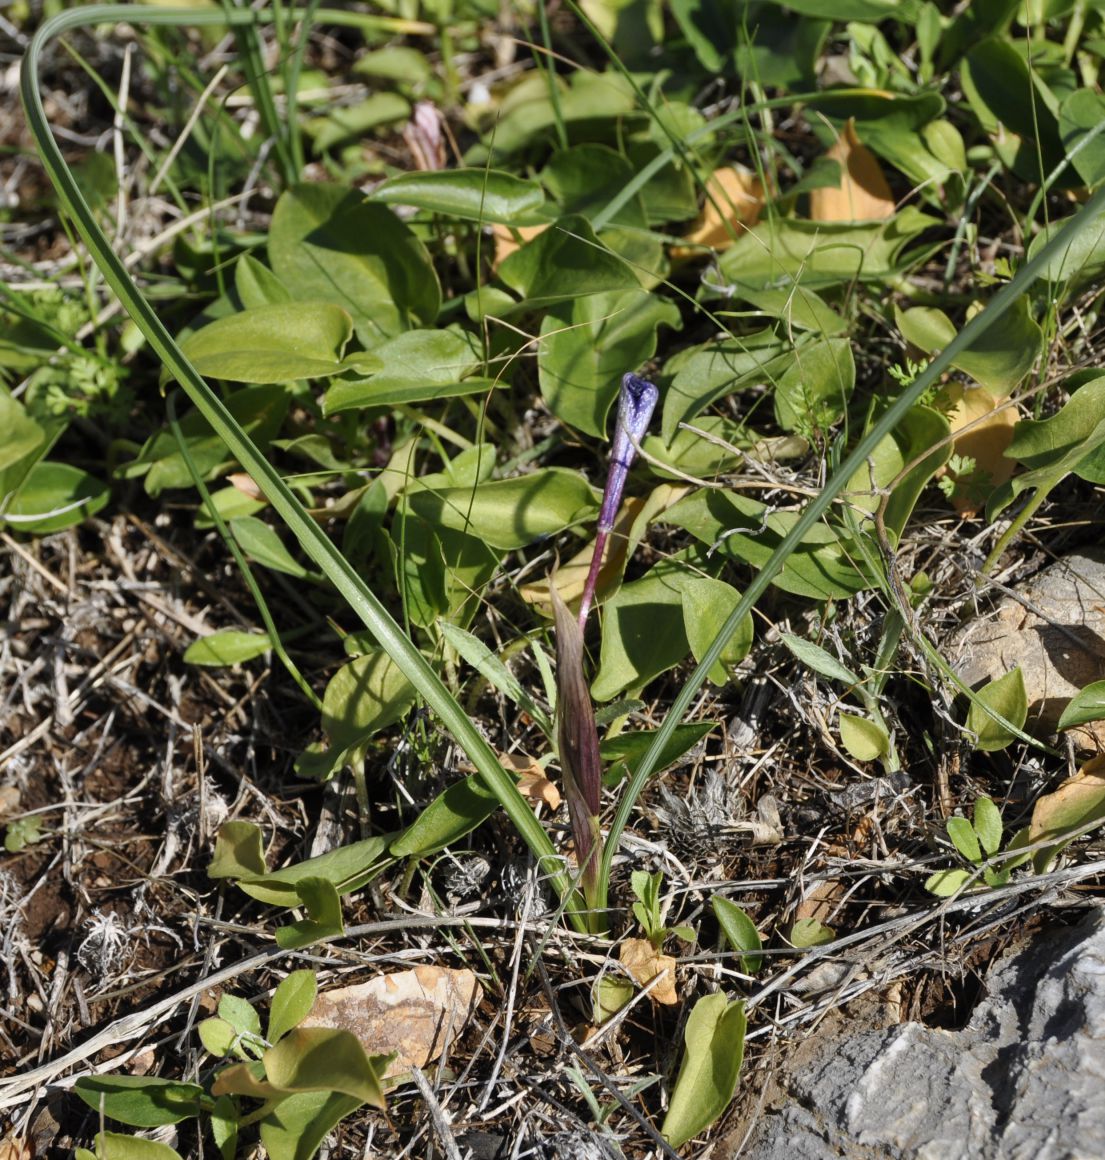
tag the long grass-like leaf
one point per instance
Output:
(313, 540)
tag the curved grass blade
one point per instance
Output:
(313, 540)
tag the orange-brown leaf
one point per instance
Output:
(734, 198)
(863, 193)
(644, 962)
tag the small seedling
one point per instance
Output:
(647, 910)
(977, 841)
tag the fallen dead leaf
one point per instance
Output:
(246, 485)
(533, 783)
(644, 962)
(505, 243)
(416, 1014)
(989, 434)
(1079, 801)
(734, 198)
(863, 193)
(823, 896)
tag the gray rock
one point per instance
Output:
(1053, 628)
(1024, 1080)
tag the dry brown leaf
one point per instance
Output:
(505, 245)
(821, 900)
(734, 198)
(644, 962)
(246, 485)
(1077, 802)
(863, 193)
(416, 1014)
(533, 782)
(985, 442)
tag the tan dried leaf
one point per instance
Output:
(863, 193)
(644, 962)
(532, 780)
(246, 485)
(734, 198)
(821, 900)
(416, 1014)
(13, 1148)
(1079, 801)
(983, 428)
(505, 245)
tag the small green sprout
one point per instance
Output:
(977, 842)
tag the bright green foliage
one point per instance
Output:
(425, 416)
(740, 932)
(998, 711)
(308, 1079)
(712, 1058)
(646, 909)
(977, 842)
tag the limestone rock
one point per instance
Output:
(1021, 1080)
(416, 1013)
(1055, 632)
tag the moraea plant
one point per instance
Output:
(636, 403)
(576, 732)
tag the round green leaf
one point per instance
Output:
(864, 739)
(272, 344)
(712, 1057)
(1081, 124)
(291, 1002)
(1000, 358)
(808, 932)
(740, 932)
(510, 513)
(964, 839)
(140, 1100)
(1085, 706)
(364, 696)
(945, 883)
(1006, 696)
(55, 496)
(988, 825)
(326, 244)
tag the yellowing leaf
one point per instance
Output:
(863, 193)
(1079, 801)
(983, 429)
(571, 577)
(644, 962)
(506, 242)
(532, 782)
(734, 198)
(710, 1068)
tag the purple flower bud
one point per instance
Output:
(636, 402)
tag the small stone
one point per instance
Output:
(1055, 634)
(416, 1014)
